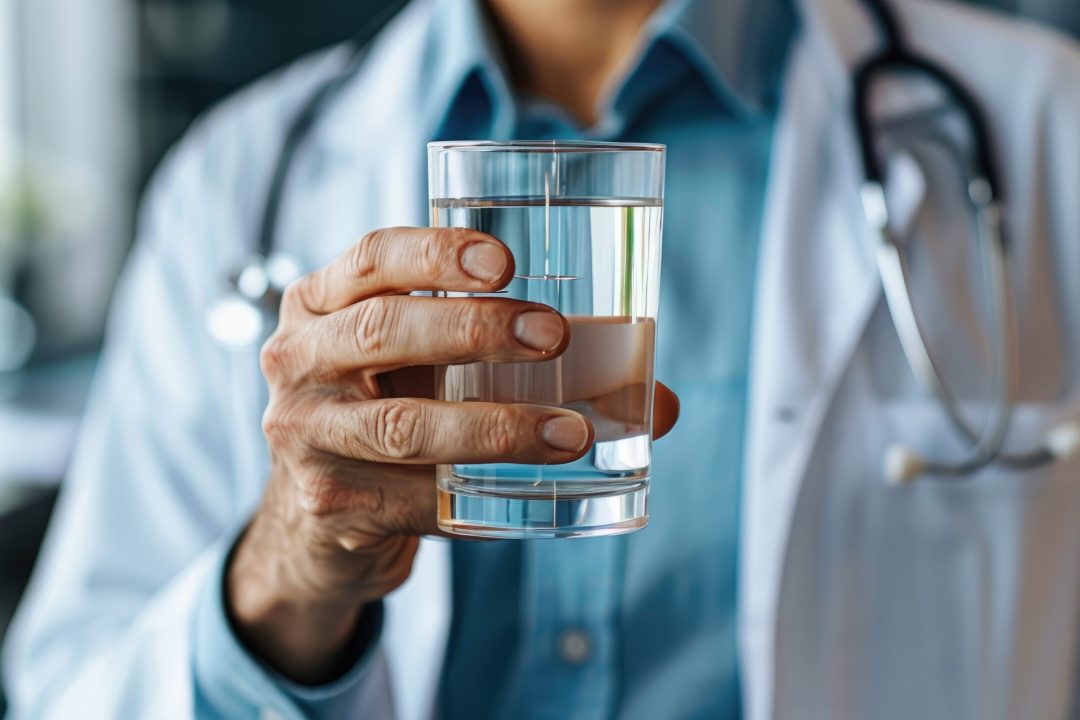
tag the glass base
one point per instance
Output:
(464, 511)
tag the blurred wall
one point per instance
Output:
(7, 86)
(1062, 14)
(91, 95)
(65, 159)
(194, 52)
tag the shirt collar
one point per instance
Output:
(737, 45)
(463, 57)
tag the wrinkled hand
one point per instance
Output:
(353, 432)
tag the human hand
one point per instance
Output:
(353, 432)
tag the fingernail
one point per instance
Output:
(484, 261)
(566, 432)
(539, 329)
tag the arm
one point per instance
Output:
(124, 590)
(141, 606)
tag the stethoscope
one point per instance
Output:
(247, 310)
(243, 315)
(903, 464)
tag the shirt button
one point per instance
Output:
(574, 647)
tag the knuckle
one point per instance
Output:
(278, 425)
(341, 437)
(370, 500)
(273, 428)
(499, 430)
(305, 293)
(470, 328)
(322, 495)
(364, 257)
(373, 322)
(290, 296)
(293, 294)
(430, 255)
(398, 429)
(274, 357)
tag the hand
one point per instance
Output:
(353, 433)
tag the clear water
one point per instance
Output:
(589, 259)
(603, 375)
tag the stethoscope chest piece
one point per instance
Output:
(245, 314)
(247, 311)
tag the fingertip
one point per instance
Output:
(484, 261)
(568, 433)
(542, 329)
(485, 258)
(666, 409)
(567, 331)
(592, 434)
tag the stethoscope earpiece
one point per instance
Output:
(902, 465)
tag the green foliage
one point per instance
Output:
(24, 213)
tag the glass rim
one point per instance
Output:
(545, 146)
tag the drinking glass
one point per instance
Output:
(583, 221)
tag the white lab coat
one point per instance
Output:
(856, 600)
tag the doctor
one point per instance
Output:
(230, 542)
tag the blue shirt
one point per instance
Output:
(641, 625)
(644, 625)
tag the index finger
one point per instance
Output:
(403, 259)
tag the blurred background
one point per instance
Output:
(91, 95)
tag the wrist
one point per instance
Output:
(300, 633)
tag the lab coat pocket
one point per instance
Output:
(937, 598)
(986, 563)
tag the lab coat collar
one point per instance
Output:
(838, 34)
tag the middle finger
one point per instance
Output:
(392, 331)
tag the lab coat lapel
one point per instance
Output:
(816, 288)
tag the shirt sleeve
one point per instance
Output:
(229, 682)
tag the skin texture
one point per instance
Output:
(568, 51)
(352, 430)
(354, 435)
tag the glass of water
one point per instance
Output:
(583, 221)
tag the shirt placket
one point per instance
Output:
(571, 607)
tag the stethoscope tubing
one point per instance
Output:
(303, 122)
(985, 201)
